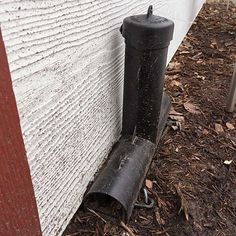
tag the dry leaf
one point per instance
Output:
(228, 162)
(218, 128)
(149, 184)
(230, 126)
(205, 131)
(194, 109)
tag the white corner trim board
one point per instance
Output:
(66, 60)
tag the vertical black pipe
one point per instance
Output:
(151, 81)
(147, 38)
(130, 97)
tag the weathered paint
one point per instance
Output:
(19, 215)
(66, 60)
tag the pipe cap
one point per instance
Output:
(147, 32)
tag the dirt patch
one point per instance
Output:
(193, 178)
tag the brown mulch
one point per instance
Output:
(193, 187)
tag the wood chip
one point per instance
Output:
(174, 112)
(159, 220)
(219, 128)
(174, 65)
(177, 118)
(184, 52)
(161, 232)
(230, 126)
(160, 202)
(228, 162)
(149, 184)
(193, 109)
(176, 83)
(205, 131)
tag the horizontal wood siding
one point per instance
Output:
(66, 60)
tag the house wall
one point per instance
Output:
(66, 61)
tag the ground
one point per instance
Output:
(193, 177)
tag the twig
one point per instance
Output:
(74, 234)
(183, 201)
(166, 129)
(164, 231)
(227, 7)
(227, 145)
(114, 221)
(161, 232)
(231, 213)
(96, 214)
(126, 228)
(81, 231)
(205, 126)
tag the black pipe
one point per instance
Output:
(121, 177)
(147, 38)
(145, 111)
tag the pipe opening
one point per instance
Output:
(105, 204)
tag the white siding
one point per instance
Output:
(66, 60)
